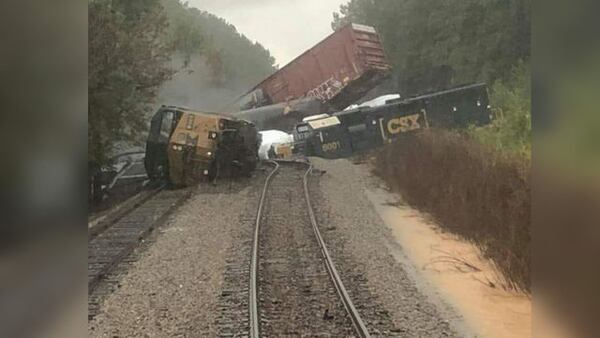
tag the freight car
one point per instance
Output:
(348, 132)
(186, 146)
(337, 71)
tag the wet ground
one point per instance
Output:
(454, 270)
(176, 286)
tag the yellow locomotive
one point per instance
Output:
(188, 146)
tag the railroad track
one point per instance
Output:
(111, 244)
(294, 288)
(123, 210)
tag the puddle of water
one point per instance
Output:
(456, 271)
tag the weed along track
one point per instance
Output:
(294, 287)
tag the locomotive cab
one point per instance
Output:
(162, 125)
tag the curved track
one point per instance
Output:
(300, 291)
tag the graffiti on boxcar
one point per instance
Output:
(326, 90)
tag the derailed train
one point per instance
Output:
(304, 98)
(328, 77)
(187, 146)
(349, 132)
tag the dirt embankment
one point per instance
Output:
(471, 191)
(448, 266)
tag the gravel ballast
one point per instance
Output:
(362, 245)
(185, 284)
(297, 297)
(173, 289)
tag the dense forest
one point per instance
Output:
(143, 53)
(226, 65)
(436, 44)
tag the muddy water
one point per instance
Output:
(454, 270)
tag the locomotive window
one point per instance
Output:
(190, 122)
(166, 125)
(302, 128)
(358, 128)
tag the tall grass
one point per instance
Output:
(476, 183)
(472, 190)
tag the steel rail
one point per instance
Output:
(252, 289)
(128, 206)
(359, 325)
(126, 250)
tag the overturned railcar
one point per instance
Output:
(188, 146)
(337, 71)
(349, 132)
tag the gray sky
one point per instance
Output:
(285, 27)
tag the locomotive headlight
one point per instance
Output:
(205, 172)
(209, 154)
(212, 135)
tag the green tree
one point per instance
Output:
(233, 58)
(434, 44)
(510, 131)
(128, 59)
(213, 73)
(137, 46)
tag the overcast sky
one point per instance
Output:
(285, 27)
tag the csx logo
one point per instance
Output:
(403, 124)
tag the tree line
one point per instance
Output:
(437, 44)
(434, 44)
(136, 46)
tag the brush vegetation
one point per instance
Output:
(475, 182)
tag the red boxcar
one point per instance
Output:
(338, 70)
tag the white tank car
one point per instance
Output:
(271, 138)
